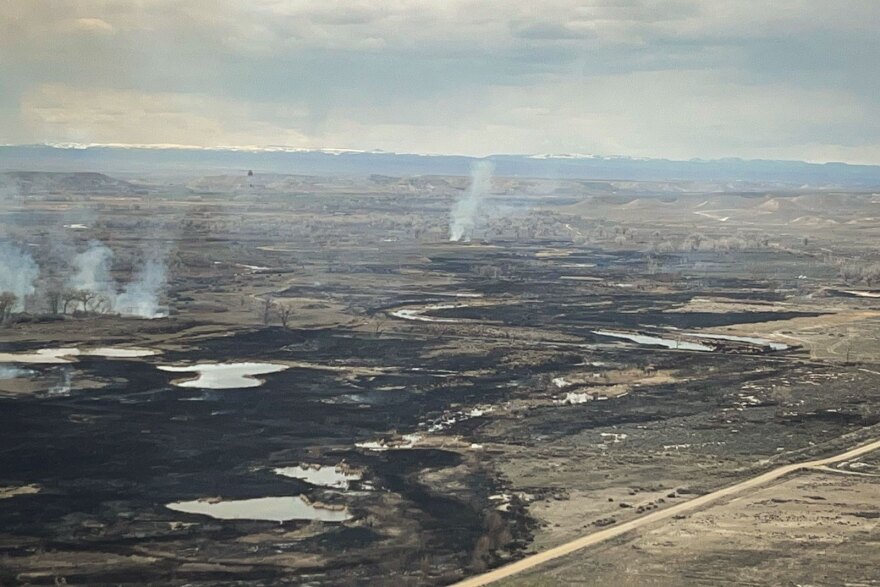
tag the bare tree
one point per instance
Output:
(85, 297)
(53, 300)
(7, 303)
(67, 297)
(99, 304)
(284, 313)
(380, 322)
(267, 309)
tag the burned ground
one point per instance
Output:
(493, 423)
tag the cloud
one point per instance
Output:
(554, 31)
(93, 25)
(103, 115)
(680, 77)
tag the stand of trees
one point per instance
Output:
(54, 302)
(7, 304)
(273, 309)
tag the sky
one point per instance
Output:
(680, 79)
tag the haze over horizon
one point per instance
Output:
(637, 78)
(268, 149)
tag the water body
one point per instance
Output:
(450, 419)
(417, 314)
(224, 375)
(334, 477)
(67, 354)
(110, 353)
(776, 346)
(456, 294)
(45, 356)
(863, 294)
(274, 509)
(669, 343)
(406, 441)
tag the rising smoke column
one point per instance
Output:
(65, 381)
(465, 213)
(141, 296)
(18, 272)
(92, 272)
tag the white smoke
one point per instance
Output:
(65, 383)
(466, 211)
(92, 272)
(139, 298)
(10, 372)
(18, 272)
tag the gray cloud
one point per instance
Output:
(792, 78)
(553, 31)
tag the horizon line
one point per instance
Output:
(256, 149)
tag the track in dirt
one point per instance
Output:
(601, 536)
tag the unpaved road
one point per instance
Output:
(681, 508)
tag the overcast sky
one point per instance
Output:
(679, 79)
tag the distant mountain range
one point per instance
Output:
(193, 160)
(40, 182)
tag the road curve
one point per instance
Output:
(540, 558)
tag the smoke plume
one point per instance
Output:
(10, 372)
(466, 211)
(92, 271)
(65, 382)
(139, 298)
(18, 272)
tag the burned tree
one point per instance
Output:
(267, 309)
(7, 304)
(68, 296)
(284, 312)
(86, 298)
(379, 324)
(53, 300)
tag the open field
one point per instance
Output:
(597, 353)
(748, 520)
(816, 526)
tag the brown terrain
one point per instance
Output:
(627, 383)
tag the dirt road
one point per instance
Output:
(657, 516)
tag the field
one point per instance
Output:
(598, 351)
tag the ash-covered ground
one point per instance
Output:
(581, 360)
